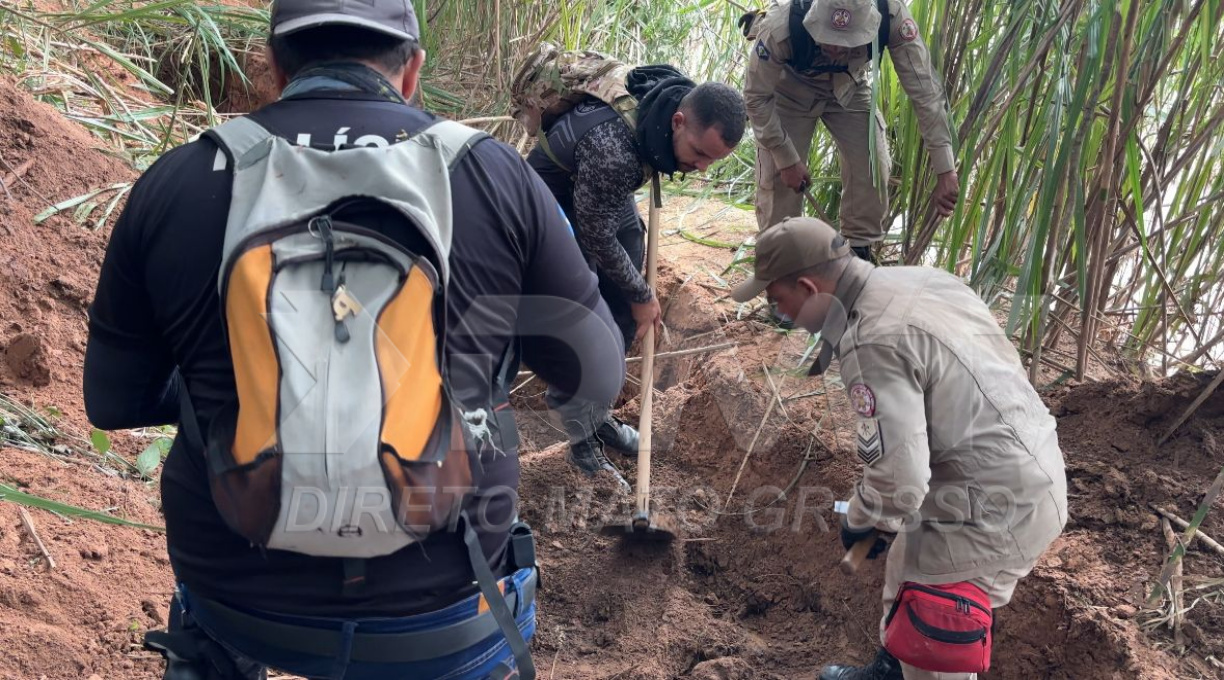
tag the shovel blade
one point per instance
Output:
(642, 528)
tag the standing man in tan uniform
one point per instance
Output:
(961, 456)
(823, 72)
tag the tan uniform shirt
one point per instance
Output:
(767, 71)
(960, 451)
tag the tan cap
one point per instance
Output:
(844, 23)
(796, 244)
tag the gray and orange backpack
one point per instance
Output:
(344, 441)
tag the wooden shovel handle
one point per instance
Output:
(807, 193)
(855, 556)
(648, 354)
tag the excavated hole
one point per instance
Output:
(752, 590)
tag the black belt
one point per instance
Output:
(367, 647)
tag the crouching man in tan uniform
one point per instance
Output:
(795, 78)
(961, 456)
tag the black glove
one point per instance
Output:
(747, 19)
(849, 537)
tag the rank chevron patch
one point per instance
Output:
(870, 441)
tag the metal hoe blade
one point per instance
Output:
(642, 528)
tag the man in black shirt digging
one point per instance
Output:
(166, 347)
(593, 162)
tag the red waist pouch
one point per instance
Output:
(944, 628)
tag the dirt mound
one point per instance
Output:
(110, 584)
(751, 589)
(26, 359)
(47, 271)
(1116, 474)
(259, 90)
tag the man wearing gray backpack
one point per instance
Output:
(329, 296)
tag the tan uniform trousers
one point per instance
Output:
(799, 106)
(998, 586)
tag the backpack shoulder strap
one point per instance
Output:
(576, 131)
(453, 139)
(885, 25)
(542, 140)
(803, 46)
(627, 108)
(239, 138)
(497, 602)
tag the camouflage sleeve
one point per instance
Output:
(608, 171)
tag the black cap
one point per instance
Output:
(391, 17)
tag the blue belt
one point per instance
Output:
(369, 647)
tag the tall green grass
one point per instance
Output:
(144, 76)
(1088, 133)
(1088, 145)
(1090, 139)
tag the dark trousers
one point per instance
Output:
(580, 417)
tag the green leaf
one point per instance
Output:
(110, 207)
(151, 457)
(101, 442)
(83, 211)
(146, 78)
(73, 202)
(710, 243)
(12, 495)
(16, 48)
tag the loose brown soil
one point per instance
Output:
(750, 589)
(760, 595)
(48, 271)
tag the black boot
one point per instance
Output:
(884, 667)
(589, 457)
(582, 421)
(864, 253)
(619, 435)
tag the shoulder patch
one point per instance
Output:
(863, 400)
(908, 30)
(761, 50)
(869, 440)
